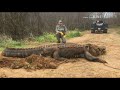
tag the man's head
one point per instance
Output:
(60, 22)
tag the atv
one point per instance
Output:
(99, 27)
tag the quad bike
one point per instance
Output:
(99, 27)
(60, 36)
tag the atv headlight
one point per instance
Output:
(99, 28)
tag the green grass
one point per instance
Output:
(8, 42)
(74, 33)
(45, 38)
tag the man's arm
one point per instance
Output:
(65, 28)
(56, 29)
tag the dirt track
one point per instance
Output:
(82, 68)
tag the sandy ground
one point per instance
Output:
(82, 68)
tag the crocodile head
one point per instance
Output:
(96, 50)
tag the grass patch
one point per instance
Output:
(45, 38)
(8, 42)
(73, 33)
(50, 37)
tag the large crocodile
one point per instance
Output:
(88, 51)
(68, 50)
(25, 52)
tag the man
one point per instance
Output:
(60, 32)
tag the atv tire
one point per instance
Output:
(105, 31)
(92, 31)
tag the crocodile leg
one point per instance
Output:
(57, 56)
(88, 56)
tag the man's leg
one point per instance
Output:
(63, 39)
(58, 38)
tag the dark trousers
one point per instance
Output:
(60, 37)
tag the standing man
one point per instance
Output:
(60, 32)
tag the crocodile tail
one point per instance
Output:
(22, 53)
(102, 61)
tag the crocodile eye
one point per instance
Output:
(86, 46)
(104, 48)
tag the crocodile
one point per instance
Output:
(21, 52)
(25, 52)
(59, 51)
(88, 51)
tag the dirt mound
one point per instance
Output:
(31, 62)
(39, 62)
(6, 63)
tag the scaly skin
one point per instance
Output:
(58, 51)
(25, 52)
(76, 52)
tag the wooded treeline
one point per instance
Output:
(20, 25)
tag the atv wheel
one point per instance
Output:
(105, 31)
(92, 31)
